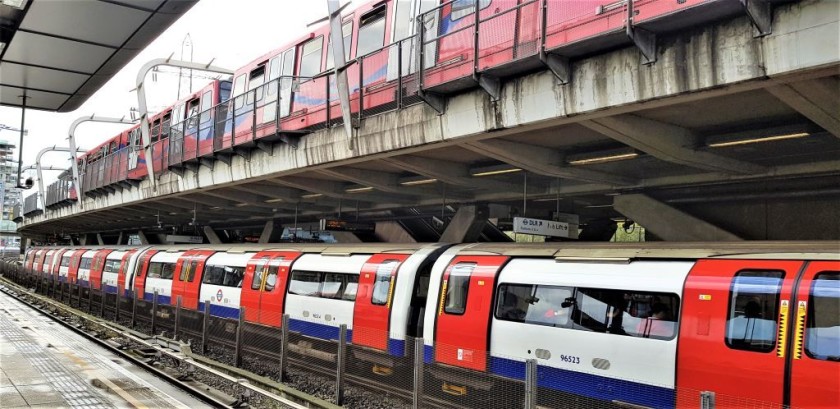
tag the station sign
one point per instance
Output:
(172, 238)
(542, 227)
(342, 225)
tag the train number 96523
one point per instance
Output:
(570, 359)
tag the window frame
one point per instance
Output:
(303, 55)
(730, 309)
(809, 323)
(466, 296)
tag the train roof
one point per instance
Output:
(622, 252)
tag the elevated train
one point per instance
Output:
(650, 325)
(291, 90)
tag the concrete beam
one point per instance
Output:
(815, 99)
(271, 191)
(383, 181)
(542, 161)
(211, 235)
(338, 190)
(466, 225)
(667, 142)
(452, 173)
(668, 223)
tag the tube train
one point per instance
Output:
(398, 51)
(654, 325)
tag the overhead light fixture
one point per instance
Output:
(749, 141)
(240, 205)
(598, 206)
(494, 170)
(548, 199)
(215, 208)
(359, 189)
(277, 200)
(311, 195)
(593, 158)
(18, 4)
(418, 181)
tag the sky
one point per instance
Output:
(232, 32)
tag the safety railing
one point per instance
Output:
(60, 193)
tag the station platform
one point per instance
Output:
(44, 364)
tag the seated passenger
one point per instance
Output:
(659, 325)
(751, 328)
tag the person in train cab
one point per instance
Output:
(658, 324)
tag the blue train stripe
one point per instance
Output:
(221, 310)
(315, 330)
(589, 385)
(110, 289)
(396, 347)
(83, 283)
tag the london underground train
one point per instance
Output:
(652, 325)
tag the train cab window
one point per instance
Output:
(382, 282)
(347, 34)
(457, 286)
(161, 270)
(310, 60)
(822, 334)
(164, 126)
(206, 103)
(371, 32)
(534, 304)
(753, 309)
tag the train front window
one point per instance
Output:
(382, 282)
(310, 60)
(371, 32)
(822, 334)
(753, 310)
(457, 287)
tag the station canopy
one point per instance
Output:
(59, 53)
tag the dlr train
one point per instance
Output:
(653, 325)
(396, 51)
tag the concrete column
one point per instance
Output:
(212, 237)
(345, 237)
(121, 238)
(99, 239)
(667, 222)
(466, 225)
(392, 232)
(143, 239)
(271, 232)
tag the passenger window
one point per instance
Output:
(310, 60)
(154, 270)
(255, 82)
(371, 32)
(86, 263)
(382, 282)
(822, 337)
(305, 283)
(534, 304)
(164, 128)
(351, 288)
(185, 269)
(238, 90)
(332, 286)
(347, 34)
(623, 312)
(273, 74)
(155, 131)
(227, 276)
(224, 91)
(192, 113)
(271, 278)
(753, 309)
(206, 101)
(456, 287)
(463, 8)
(65, 261)
(167, 271)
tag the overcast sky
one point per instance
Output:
(232, 32)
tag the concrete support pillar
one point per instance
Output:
(667, 222)
(392, 232)
(271, 232)
(144, 241)
(121, 239)
(212, 237)
(466, 225)
(99, 239)
(345, 237)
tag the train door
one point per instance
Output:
(204, 136)
(463, 316)
(96, 268)
(372, 311)
(122, 272)
(264, 288)
(134, 148)
(815, 355)
(272, 87)
(73, 271)
(140, 276)
(187, 279)
(287, 69)
(735, 315)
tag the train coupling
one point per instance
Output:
(455, 390)
(382, 370)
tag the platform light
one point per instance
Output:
(359, 189)
(598, 206)
(18, 4)
(240, 205)
(759, 140)
(215, 208)
(311, 195)
(603, 159)
(276, 200)
(418, 181)
(494, 170)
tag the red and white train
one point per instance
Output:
(649, 325)
(291, 90)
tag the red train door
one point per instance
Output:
(372, 311)
(97, 266)
(187, 279)
(264, 287)
(122, 272)
(733, 335)
(140, 277)
(815, 353)
(464, 309)
(73, 270)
